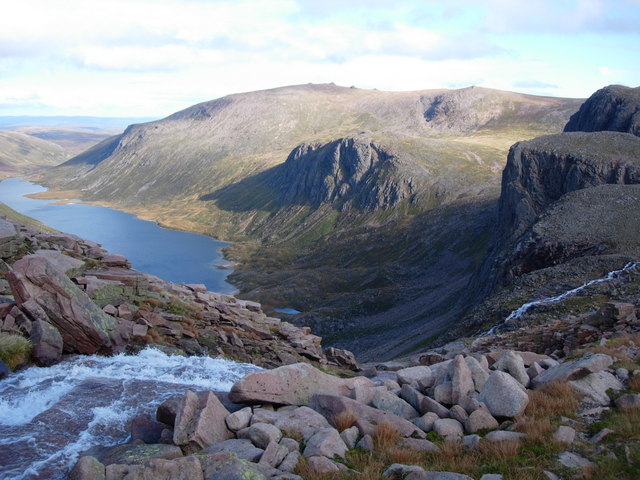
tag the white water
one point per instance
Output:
(49, 415)
(569, 293)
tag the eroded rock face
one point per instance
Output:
(83, 326)
(348, 171)
(614, 108)
(291, 385)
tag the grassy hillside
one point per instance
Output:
(21, 154)
(221, 168)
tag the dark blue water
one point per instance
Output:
(179, 257)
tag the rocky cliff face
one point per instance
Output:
(349, 172)
(614, 108)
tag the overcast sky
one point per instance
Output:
(154, 57)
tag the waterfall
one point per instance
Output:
(48, 416)
(520, 311)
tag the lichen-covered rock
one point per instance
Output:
(187, 468)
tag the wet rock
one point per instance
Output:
(88, 468)
(47, 343)
(5, 371)
(291, 385)
(146, 430)
(367, 417)
(200, 422)
(503, 395)
(326, 443)
(83, 326)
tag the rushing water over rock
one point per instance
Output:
(49, 415)
(549, 300)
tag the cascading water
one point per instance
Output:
(49, 415)
(631, 266)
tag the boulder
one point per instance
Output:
(242, 448)
(471, 441)
(146, 430)
(274, 454)
(398, 471)
(443, 393)
(187, 468)
(226, 466)
(479, 373)
(573, 370)
(419, 445)
(390, 402)
(425, 422)
(84, 327)
(130, 454)
(261, 434)
(428, 404)
(87, 468)
(350, 436)
(458, 413)
(326, 443)
(564, 434)
(66, 264)
(628, 400)
(342, 358)
(239, 420)
(301, 421)
(513, 364)
(480, 420)
(504, 436)
(461, 380)
(431, 475)
(573, 460)
(447, 427)
(593, 388)
(415, 376)
(367, 417)
(5, 371)
(323, 465)
(200, 422)
(503, 395)
(47, 343)
(291, 385)
(290, 462)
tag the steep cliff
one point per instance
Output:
(614, 108)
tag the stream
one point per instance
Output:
(48, 416)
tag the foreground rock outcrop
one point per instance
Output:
(313, 431)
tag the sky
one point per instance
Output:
(141, 58)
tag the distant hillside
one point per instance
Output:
(346, 204)
(99, 124)
(73, 142)
(21, 154)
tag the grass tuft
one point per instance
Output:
(385, 436)
(14, 349)
(345, 419)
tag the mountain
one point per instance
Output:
(614, 108)
(72, 141)
(22, 154)
(567, 211)
(356, 207)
